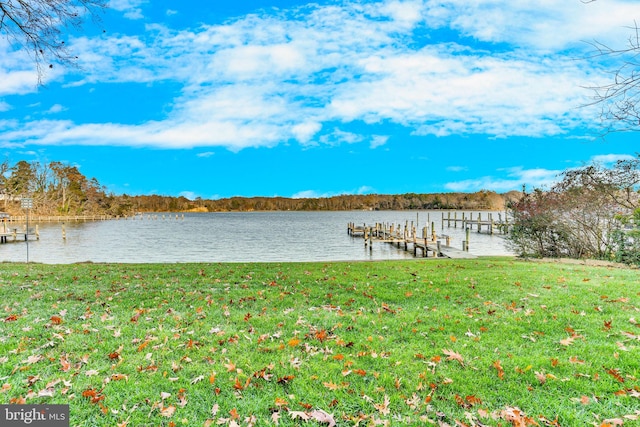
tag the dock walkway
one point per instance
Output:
(407, 237)
(14, 235)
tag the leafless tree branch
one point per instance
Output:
(37, 27)
(619, 99)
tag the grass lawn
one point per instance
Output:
(417, 342)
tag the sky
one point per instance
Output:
(216, 99)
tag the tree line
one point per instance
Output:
(61, 189)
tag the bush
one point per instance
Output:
(591, 213)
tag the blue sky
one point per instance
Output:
(295, 99)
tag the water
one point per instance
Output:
(231, 237)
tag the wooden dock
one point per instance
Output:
(8, 236)
(9, 232)
(12, 234)
(57, 218)
(407, 237)
(488, 224)
(87, 218)
(427, 242)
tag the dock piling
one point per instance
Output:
(468, 233)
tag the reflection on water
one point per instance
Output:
(231, 237)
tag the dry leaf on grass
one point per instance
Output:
(452, 355)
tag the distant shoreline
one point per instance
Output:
(62, 218)
(125, 206)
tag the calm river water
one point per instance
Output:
(231, 237)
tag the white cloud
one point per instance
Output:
(365, 189)
(610, 159)
(56, 108)
(338, 136)
(515, 178)
(378, 141)
(206, 154)
(121, 5)
(189, 195)
(133, 14)
(457, 168)
(438, 92)
(538, 177)
(543, 24)
(130, 8)
(313, 194)
(18, 75)
(17, 82)
(404, 13)
(4, 106)
(304, 131)
(261, 80)
(308, 194)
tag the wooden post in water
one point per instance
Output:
(433, 232)
(64, 232)
(415, 247)
(467, 241)
(405, 235)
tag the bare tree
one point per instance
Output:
(619, 99)
(5, 168)
(619, 185)
(37, 27)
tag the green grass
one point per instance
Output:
(482, 342)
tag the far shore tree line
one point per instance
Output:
(60, 189)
